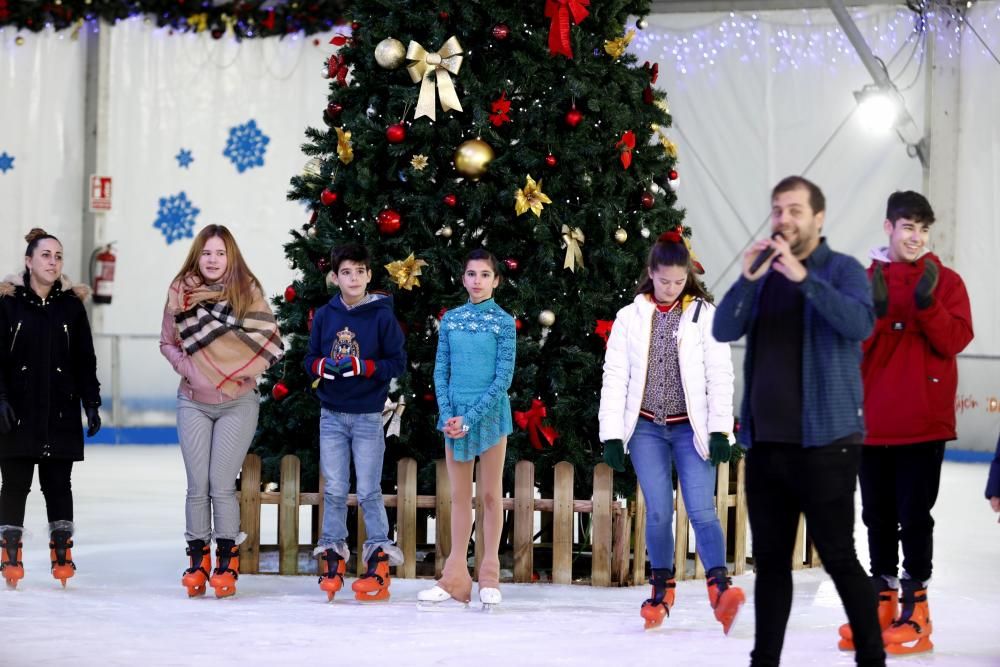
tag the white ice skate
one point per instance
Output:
(490, 597)
(438, 599)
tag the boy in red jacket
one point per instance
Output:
(910, 380)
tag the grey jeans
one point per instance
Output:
(214, 441)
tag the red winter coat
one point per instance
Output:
(909, 368)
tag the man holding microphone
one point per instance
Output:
(805, 309)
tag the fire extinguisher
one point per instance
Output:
(102, 273)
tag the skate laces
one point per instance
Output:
(660, 585)
(333, 560)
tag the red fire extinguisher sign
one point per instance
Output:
(100, 194)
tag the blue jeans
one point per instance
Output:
(343, 436)
(653, 449)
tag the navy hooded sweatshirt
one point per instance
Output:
(368, 331)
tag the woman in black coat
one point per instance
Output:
(47, 368)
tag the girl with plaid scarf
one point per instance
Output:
(219, 334)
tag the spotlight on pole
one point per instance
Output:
(878, 109)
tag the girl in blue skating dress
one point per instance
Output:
(473, 371)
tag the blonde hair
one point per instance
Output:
(238, 282)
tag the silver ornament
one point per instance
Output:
(642, 24)
(546, 318)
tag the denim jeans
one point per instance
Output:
(343, 436)
(653, 449)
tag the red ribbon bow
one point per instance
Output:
(672, 236)
(603, 329)
(336, 68)
(531, 421)
(559, 11)
(268, 22)
(626, 144)
(654, 70)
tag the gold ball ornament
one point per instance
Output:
(621, 235)
(446, 231)
(390, 53)
(473, 158)
(311, 231)
(546, 318)
(19, 40)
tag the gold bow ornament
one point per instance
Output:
(405, 272)
(573, 238)
(442, 64)
(530, 198)
(392, 415)
(345, 149)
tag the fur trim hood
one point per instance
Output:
(11, 282)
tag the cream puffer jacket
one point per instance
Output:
(706, 372)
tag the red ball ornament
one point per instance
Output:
(511, 264)
(501, 32)
(573, 117)
(551, 160)
(328, 197)
(290, 293)
(647, 200)
(443, 16)
(217, 33)
(323, 265)
(429, 398)
(334, 109)
(518, 324)
(450, 200)
(279, 390)
(355, 26)
(389, 222)
(673, 175)
(396, 133)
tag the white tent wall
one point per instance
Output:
(42, 85)
(754, 97)
(174, 92)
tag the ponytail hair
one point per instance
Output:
(671, 249)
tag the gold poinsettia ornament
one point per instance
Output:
(345, 151)
(530, 198)
(419, 162)
(616, 47)
(405, 272)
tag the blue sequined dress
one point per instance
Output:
(472, 373)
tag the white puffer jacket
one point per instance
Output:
(706, 372)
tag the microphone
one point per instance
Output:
(764, 255)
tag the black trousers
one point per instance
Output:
(54, 476)
(899, 486)
(784, 481)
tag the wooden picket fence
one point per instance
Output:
(617, 536)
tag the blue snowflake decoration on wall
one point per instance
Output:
(246, 146)
(6, 162)
(184, 158)
(176, 217)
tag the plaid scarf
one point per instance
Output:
(227, 350)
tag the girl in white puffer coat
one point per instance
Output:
(668, 394)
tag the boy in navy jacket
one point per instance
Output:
(356, 348)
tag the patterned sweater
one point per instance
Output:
(475, 361)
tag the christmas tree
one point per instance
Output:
(523, 127)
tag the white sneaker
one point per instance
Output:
(490, 597)
(437, 598)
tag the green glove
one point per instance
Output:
(924, 292)
(880, 291)
(614, 454)
(718, 448)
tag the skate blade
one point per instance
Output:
(195, 591)
(377, 596)
(489, 607)
(450, 605)
(225, 592)
(651, 624)
(920, 646)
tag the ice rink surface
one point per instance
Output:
(126, 606)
